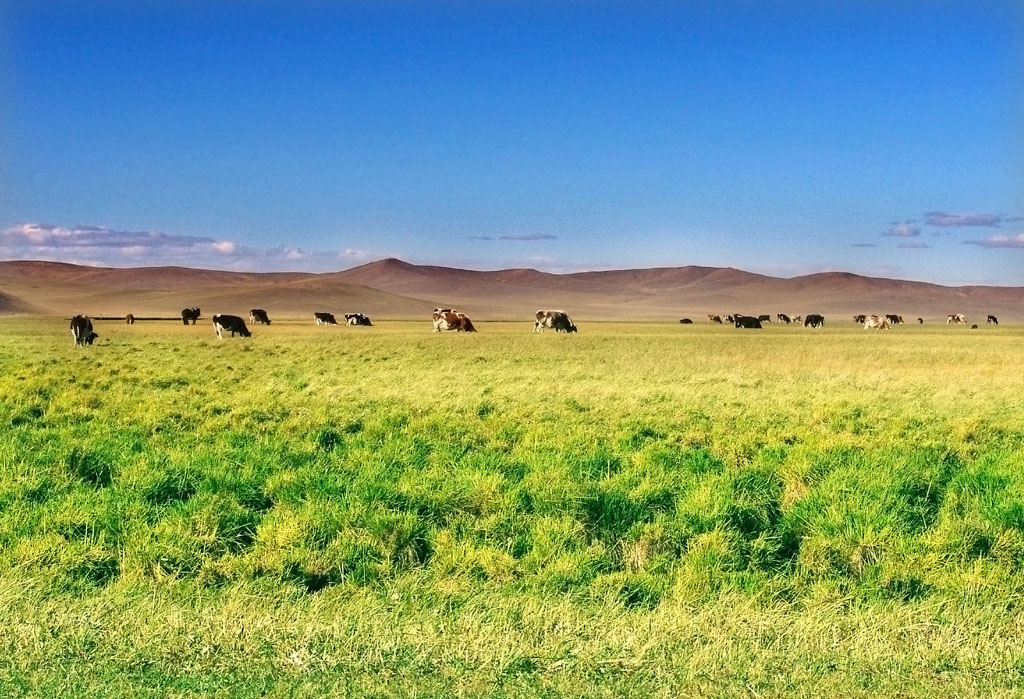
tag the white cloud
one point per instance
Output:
(999, 241)
(903, 230)
(98, 245)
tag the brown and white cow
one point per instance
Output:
(447, 319)
(129, 319)
(559, 321)
(881, 323)
(956, 319)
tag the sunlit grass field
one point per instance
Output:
(636, 510)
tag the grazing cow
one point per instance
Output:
(686, 321)
(893, 319)
(956, 319)
(559, 321)
(129, 319)
(323, 318)
(920, 321)
(447, 319)
(748, 322)
(189, 314)
(876, 322)
(714, 319)
(814, 320)
(992, 320)
(798, 319)
(860, 318)
(258, 315)
(357, 319)
(783, 318)
(81, 331)
(731, 318)
(231, 324)
(765, 318)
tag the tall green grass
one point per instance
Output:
(634, 510)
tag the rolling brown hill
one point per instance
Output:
(395, 289)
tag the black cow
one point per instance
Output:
(258, 315)
(993, 320)
(765, 318)
(749, 322)
(323, 318)
(974, 327)
(686, 321)
(783, 318)
(81, 331)
(893, 318)
(232, 324)
(189, 314)
(129, 319)
(814, 320)
(357, 319)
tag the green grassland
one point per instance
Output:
(636, 510)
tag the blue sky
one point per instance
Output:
(780, 137)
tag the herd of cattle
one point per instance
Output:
(443, 319)
(816, 320)
(449, 319)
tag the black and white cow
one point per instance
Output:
(860, 319)
(324, 318)
(357, 319)
(814, 320)
(189, 314)
(783, 318)
(232, 324)
(258, 315)
(992, 320)
(748, 322)
(894, 319)
(81, 331)
(559, 321)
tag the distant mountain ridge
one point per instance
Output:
(397, 289)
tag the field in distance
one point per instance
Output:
(636, 510)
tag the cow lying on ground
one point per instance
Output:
(686, 321)
(920, 321)
(993, 320)
(81, 331)
(956, 319)
(814, 320)
(876, 322)
(232, 324)
(323, 318)
(559, 321)
(189, 314)
(748, 322)
(357, 319)
(258, 315)
(447, 319)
